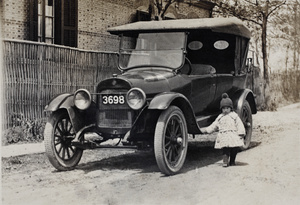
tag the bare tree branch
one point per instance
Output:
(251, 20)
(250, 2)
(275, 8)
(166, 7)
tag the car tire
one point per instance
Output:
(246, 116)
(58, 136)
(170, 141)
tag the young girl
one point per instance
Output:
(231, 131)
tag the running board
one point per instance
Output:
(92, 145)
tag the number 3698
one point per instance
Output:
(113, 99)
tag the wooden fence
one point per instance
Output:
(35, 72)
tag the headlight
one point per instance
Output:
(82, 99)
(136, 98)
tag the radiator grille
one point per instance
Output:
(117, 114)
(115, 118)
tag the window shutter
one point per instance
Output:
(70, 23)
(66, 22)
(58, 23)
(33, 20)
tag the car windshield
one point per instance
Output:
(153, 49)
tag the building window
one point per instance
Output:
(46, 21)
(54, 21)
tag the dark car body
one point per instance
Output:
(173, 74)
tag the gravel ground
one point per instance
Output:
(267, 173)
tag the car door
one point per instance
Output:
(203, 87)
(224, 84)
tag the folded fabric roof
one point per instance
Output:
(220, 25)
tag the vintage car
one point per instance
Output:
(172, 76)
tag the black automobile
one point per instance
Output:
(172, 76)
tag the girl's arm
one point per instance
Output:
(212, 128)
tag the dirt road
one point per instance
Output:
(267, 173)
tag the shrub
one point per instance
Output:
(22, 129)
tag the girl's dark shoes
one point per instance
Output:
(232, 164)
(225, 165)
(225, 160)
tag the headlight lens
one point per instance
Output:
(82, 99)
(136, 98)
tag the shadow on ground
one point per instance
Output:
(200, 154)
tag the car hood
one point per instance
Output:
(151, 81)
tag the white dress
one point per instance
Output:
(230, 127)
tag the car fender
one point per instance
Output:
(78, 118)
(242, 95)
(163, 101)
(61, 101)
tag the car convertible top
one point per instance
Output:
(220, 25)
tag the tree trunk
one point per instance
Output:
(296, 38)
(151, 10)
(287, 57)
(265, 64)
(264, 49)
(257, 52)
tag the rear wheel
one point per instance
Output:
(170, 141)
(246, 116)
(58, 135)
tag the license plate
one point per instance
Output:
(113, 99)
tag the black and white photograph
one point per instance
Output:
(150, 102)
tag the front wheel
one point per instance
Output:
(58, 136)
(170, 141)
(246, 116)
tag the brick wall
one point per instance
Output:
(15, 19)
(94, 17)
(192, 11)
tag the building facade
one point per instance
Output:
(83, 23)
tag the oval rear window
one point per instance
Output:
(221, 44)
(195, 45)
